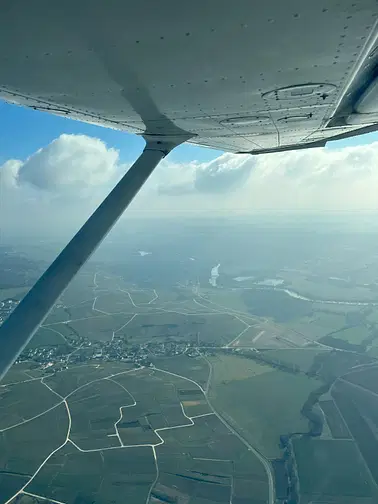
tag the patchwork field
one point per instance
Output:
(332, 471)
(359, 409)
(116, 433)
(301, 359)
(366, 378)
(23, 401)
(194, 368)
(261, 402)
(116, 476)
(318, 324)
(24, 447)
(334, 419)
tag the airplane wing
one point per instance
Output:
(241, 76)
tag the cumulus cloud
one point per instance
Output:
(69, 163)
(9, 173)
(58, 186)
(303, 180)
(224, 174)
(61, 184)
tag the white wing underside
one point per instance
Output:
(242, 76)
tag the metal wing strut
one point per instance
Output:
(18, 329)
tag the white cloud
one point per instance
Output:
(70, 163)
(303, 180)
(9, 173)
(60, 185)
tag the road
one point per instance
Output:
(190, 421)
(67, 440)
(265, 462)
(211, 309)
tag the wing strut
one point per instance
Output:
(23, 322)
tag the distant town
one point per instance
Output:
(61, 356)
(80, 349)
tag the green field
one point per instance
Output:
(227, 299)
(275, 304)
(115, 302)
(95, 409)
(25, 447)
(46, 336)
(23, 401)
(58, 314)
(158, 397)
(57, 333)
(332, 470)
(230, 368)
(214, 328)
(366, 378)
(82, 310)
(317, 324)
(205, 475)
(103, 399)
(262, 403)
(329, 365)
(301, 359)
(21, 372)
(194, 368)
(74, 377)
(359, 409)
(335, 421)
(100, 327)
(66, 314)
(79, 290)
(113, 476)
(354, 335)
(140, 296)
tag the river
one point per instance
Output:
(296, 295)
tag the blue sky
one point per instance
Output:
(55, 171)
(23, 131)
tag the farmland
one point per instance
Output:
(302, 359)
(188, 393)
(354, 335)
(333, 471)
(216, 460)
(366, 378)
(47, 336)
(93, 419)
(360, 411)
(335, 421)
(105, 424)
(194, 368)
(213, 328)
(107, 476)
(23, 401)
(68, 380)
(268, 404)
(99, 327)
(317, 324)
(25, 447)
(20, 373)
